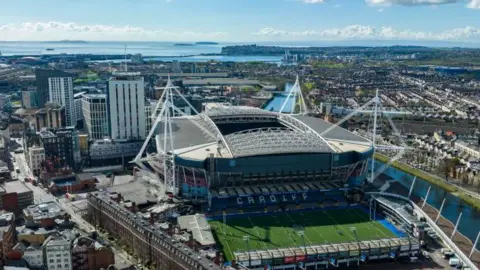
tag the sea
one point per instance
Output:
(164, 51)
(168, 51)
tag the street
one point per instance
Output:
(41, 195)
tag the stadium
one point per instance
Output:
(260, 190)
(273, 189)
(237, 152)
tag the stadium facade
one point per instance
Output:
(254, 147)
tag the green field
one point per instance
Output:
(281, 230)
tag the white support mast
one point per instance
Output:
(165, 148)
(163, 161)
(295, 94)
(374, 134)
(376, 102)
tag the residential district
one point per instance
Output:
(330, 158)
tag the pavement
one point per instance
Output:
(41, 195)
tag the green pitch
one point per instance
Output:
(282, 230)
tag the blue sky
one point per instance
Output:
(240, 20)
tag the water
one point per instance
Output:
(276, 103)
(221, 58)
(470, 222)
(165, 51)
(145, 48)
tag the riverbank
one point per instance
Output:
(435, 180)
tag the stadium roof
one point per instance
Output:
(199, 136)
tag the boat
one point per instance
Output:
(50, 49)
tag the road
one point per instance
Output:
(41, 195)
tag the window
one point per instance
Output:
(51, 260)
(67, 265)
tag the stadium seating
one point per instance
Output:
(259, 199)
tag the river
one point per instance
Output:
(275, 104)
(470, 222)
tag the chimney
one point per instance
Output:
(153, 217)
(134, 207)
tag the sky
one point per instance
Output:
(240, 20)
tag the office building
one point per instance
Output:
(41, 78)
(61, 146)
(36, 158)
(9, 236)
(61, 92)
(32, 254)
(42, 215)
(15, 196)
(78, 101)
(52, 116)
(5, 101)
(29, 99)
(57, 253)
(113, 152)
(176, 68)
(17, 126)
(137, 59)
(90, 254)
(126, 106)
(150, 105)
(94, 107)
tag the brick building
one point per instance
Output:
(88, 254)
(151, 245)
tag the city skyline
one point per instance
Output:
(241, 20)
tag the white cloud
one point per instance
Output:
(61, 30)
(313, 1)
(471, 3)
(372, 33)
(474, 4)
(411, 2)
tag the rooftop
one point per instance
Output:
(91, 96)
(198, 225)
(42, 211)
(15, 187)
(219, 81)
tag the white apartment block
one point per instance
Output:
(149, 107)
(126, 106)
(36, 156)
(61, 92)
(57, 253)
(33, 255)
(78, 103)
(94, 107)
